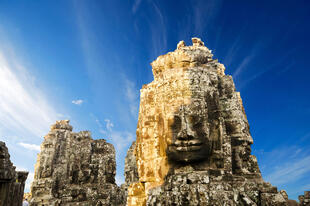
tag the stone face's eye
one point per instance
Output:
(176, 124)
(195, 121)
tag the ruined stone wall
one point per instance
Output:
(12, 182)
(304, 200)
(131, 170)
(73, 169)
(193, 143)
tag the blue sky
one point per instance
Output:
(86, 61)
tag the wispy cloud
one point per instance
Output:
(136, 5)
(29, 181)
(119, 179)
(232, 51)
(109, 124)
(33, 147)
(275, 64)
(121, 141)
(158, 32)
(243, 65)
(285, 166)
(289, 66)
(204, 13)
(23, 106)
(291, 171)
(132, 95)
(86, 36)
(306, 187)
(234, 48)
(26, 112)
(77, 102)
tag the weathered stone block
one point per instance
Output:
(74, 169)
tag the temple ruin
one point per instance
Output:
(12, 183)
(193, 143)
(73, 169)
(193, 147)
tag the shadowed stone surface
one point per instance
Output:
(304, 200)
(12, 182)
(131, 170)
(193, 143)
(73, 169)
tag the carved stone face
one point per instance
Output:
(190, 136)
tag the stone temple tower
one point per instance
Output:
(193, 143)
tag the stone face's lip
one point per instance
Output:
(188, 148)
(186, 143)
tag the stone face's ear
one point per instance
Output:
(181, 44)
(197, 42)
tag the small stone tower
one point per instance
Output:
(73, 169)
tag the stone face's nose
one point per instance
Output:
(186, 133)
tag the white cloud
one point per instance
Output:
(159, 36)
(132, 95)
(136, 6)
(29, 181)
(33, 147)
(119, 180)
(204, 14)
(63, 116)
(26, 112)
(109, 124)
(291, 171)
(305, 187)
(121, 140)
(284, 166)
(253, 54)
(23, 106)
(243, 65)
(77, 102)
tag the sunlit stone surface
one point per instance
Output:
(193, 143)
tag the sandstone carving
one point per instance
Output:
(131, 170)
(73, 169)
(12, 182)
(304, 200)
(193, 143)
